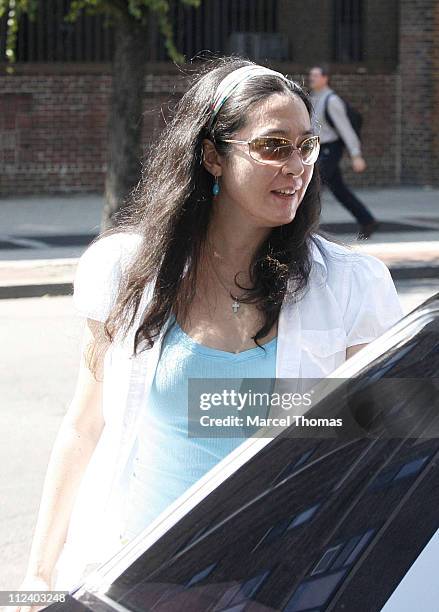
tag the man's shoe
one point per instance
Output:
(367, 230)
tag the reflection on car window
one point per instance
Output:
(242, 593)
(314, 593)
(280, 528)
(295, 464)
(304, 516)
(394, 473)
(327, 560)
(411, 468)
(200, 575)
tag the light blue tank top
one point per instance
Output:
(168, 461)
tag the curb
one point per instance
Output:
(54, 277)
(10, 292)
(418, 273)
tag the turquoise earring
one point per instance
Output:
(216, 187)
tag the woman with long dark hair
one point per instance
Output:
(214, 269)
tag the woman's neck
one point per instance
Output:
(234, 243)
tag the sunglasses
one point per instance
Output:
(276, 150)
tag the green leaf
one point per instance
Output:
(135, 9)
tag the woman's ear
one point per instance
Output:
(210, 158)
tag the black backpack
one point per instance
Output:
(354, 116)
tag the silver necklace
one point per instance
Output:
(236, 302)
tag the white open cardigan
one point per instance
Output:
(350, 299)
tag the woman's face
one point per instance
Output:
(253, 186)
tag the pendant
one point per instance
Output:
(235, 306)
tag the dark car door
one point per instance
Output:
(309, 523)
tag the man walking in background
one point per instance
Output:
(333, 139)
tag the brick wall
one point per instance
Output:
(380, 31)
(53, 128)
(435, 89)
(52, 133)
(375, 96)
(419, 67)
(309, 31)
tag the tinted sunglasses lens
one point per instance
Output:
(278, 150)
(268, 150)
(310, 150)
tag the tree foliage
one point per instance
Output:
(137, 10)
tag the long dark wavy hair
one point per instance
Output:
(171, 209)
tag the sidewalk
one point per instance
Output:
(44, 236)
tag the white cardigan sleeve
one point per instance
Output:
(99, 272)
(373, 304)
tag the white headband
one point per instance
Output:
(232, 80)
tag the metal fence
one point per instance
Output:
(52, 39)
(223, 26)
(348, 30)
(218, 25)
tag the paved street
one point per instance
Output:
(46, 235)
(40, 345)
(414, 292)
(60, 226)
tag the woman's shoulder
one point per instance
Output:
(99, 270)
(339, 259)
(112, 245)
(109, 253)
(363, 288)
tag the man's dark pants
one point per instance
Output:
(329, 166)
